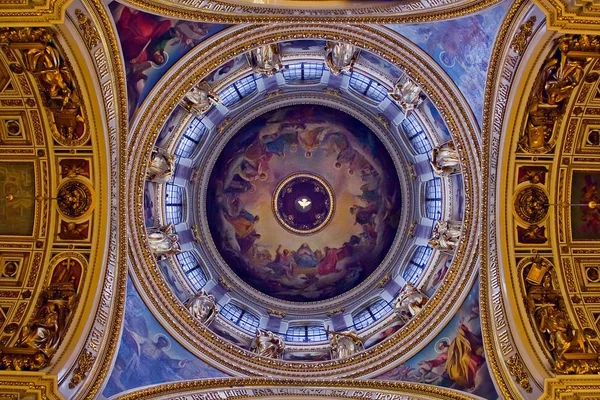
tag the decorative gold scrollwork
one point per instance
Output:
(562, 71)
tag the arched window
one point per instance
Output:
(190, 139)
(306, 333)
(433, 199)
(303, 72)
(416, 135)
(370, 314)
(367, 86)
(238, 90)
(192, 269)
(417, 264)
(240, 317)
(174, 203)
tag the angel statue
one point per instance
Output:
(340, 57)
(162, 166)
(199, 99)
(267, 344)
(410, 302)
(407, 94)
(446, 235)
(445, 160)
(265, 59)
(344, 344)
(203, 307)
(163, 241)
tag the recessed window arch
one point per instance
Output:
(173, 203)
(238, 90)
(433, 199)
(303, 72)
(416, 135)
(306, 333)
(367, 86)
(368, 315)
(192, 269)
(416, 265)
(240, 317)
(190, 139)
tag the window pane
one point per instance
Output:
(190, 139)
(315, 333)
(296, 334)
(367, 86)
(416, 135)
(248, 322)
(174, 204)
(238, 90)
(417, 264)
(186, 260)
(433, 199)
(197, 277)
(231, 312)
(363, 319)
(380, 309)
(306, 71)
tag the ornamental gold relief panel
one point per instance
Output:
(48, 184)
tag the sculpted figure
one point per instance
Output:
(265, 59)
(344, 344)
(410, 301)
(445, 235)
(340, 57)
(407, 94)
(444, 160)
(563, 338)
(267, 344)
(203, 307)
(162, 166)
(199, 99)
(163, 241)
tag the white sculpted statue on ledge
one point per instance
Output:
(445, 160)
(203, 307)
(407, 94)
(340, 57)
(446, 235)
(267, 344)
(199, 99)
(344, 344)
(410, 302)
(162, 166)
(163, 241)
(265, 59)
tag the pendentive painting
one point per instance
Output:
(304, 203)
(585, 212)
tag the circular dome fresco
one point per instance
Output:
(303, 203)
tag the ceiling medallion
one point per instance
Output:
(303, 203)
(74, 199)
(531, 205)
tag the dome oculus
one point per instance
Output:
(271, 200)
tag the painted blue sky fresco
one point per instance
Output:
(462, 47)
(148, 354)
(455, 358)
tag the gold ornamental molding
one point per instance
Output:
(33, 385)
(32, 12)
(539, 301)
(272, 388)
(192, 69)
(307, 11)
(571, 16)
(565, 387)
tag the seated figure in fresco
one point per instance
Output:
(305, 257)
(267, 344)
(344, 344)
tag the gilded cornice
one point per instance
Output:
(584, 387)
(223, 11)
(32, 12)
(579, 16)
(192, 69)
(263, 388)
(32, 385)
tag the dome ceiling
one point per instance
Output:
(311, 236)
